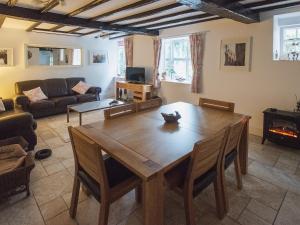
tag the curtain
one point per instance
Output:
(197, 44)
(128, 43)
(157, 51)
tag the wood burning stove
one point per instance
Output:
(282, 127)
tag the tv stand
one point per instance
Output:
(141, 92)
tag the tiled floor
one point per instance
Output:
(271, 192)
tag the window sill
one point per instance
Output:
(176, 82)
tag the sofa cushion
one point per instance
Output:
(71, 82)
(2, 106)
(30, 84)
(81, 88)
(43, 104)
(86, 98)
(56, 87)
(64, 101)
(35, 94)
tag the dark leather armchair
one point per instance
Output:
(59, 92)
(17, 123)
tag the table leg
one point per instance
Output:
(153, 200)
(244, 149)
(80, 119)
(68, 114)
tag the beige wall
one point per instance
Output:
(100, 75)
(269, 84)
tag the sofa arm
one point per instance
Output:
(8, 104)
(96, 91)
(22, 101)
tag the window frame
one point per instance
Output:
(119, 72)
(283, 55)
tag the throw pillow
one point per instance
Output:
(2, 107)
(81, 88)
(35, 94)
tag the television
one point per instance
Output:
(135, 75)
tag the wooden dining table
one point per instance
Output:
(149, 147)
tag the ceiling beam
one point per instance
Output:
(233, 10)
(37, 16)
(2, 19)
(84, 8)
(120, 36)
(91, 32)
(269, 8)
(45, 9)
(125, 8)
(56, 32)
(147, 13)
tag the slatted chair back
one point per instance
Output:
(217, 104)
(235, 134)
(149, 104)
(88, 157)
(207, 154)
(117, 111)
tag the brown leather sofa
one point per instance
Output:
(59, 93)
(15, 123)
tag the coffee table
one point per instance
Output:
(91, 106)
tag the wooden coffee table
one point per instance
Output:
(91, 106)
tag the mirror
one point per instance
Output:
(53, 56)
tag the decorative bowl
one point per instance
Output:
(171, 118)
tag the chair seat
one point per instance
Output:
(117, 175)
(176, 178)
(229, 158)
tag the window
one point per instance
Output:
(287, 37)
(176, 59)
(121, 59)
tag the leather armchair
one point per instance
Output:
(15, 123)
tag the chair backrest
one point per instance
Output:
(217, 104)
(122, 110)
(235, 134)
(88, 157)
(149, 104)
(207, 154)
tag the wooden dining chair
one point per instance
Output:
(231, 154)
(149, 104)
(103, 177)
(217, 104)
(198, 172)
(117, 111)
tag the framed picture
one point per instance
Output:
(6, 57)
(98, 57)
(236, 54)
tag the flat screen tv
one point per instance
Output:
(135, 75)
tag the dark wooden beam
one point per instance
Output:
(56, 32)
(45, 9)
(91, 32)
(108, 34)
(147, 13)
(120, 36)
(55, 18)
(234, 10)
(269, 8)
(2, 19)
(262, 3)
(74, 30)
(125, 8)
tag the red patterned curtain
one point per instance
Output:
(197, 43)
(128, 44)
(157, 50)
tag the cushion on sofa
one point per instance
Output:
(43, 104)
(86, 98)
(56, 87)
(71, 82)
(81, 88)
(35, 94)
(2, 107)
(64, 101)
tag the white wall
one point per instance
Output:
(269, 84)
(98, 75)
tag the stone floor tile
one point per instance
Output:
(54, 168)
(68, 163)
(68, 196)
(249, 218)
(62, 219)
(289, 211)
(53, 208)
(51, 187)
(55, 142)
(38, 172)
(263, 156)
(266, 213)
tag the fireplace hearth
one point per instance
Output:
(282, 127)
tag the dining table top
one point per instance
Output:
(145, 144)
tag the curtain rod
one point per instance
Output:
(184, 35)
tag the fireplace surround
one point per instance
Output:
(282, 127)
